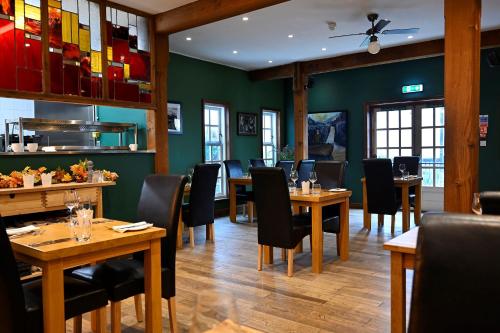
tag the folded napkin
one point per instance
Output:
(21, 231)
(132, 226)
(337, 190)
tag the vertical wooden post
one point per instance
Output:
(300, 111)
(462, 61)
(104, 51)
(44, 9)
(161, 114)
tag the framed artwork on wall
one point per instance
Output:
(327, 135)
(174, 118)
(247, 124)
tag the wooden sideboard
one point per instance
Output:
(20, 201)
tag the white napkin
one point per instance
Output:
(337, 189)
(21, 231)
(131, 226)
(305, 187)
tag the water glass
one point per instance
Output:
(291, 187)
(316, 189)
(406, 174)
(402, 168)
(82, 227)
(476, 204)
(97, 177)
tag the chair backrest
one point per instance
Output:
(304, 168)
(233, 168)
(273, 205)
(490, 202)
(455, 284)
(202, 195)
(380, 186)
(330, 174)
(256, 163)
(287, 167)
(411, 163)
(160, 204)
(12, 315)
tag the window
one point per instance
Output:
(270, 137)
(407, 129)
(215, 140)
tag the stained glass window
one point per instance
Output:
(75, 48)
(20, 45)
(129, 67)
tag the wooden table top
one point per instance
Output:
(241, 180)
(54, 187)
(103, 237)
(323, 196)
(405, 243)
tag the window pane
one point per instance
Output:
(382, 119)
(218, 187)
(427, 117)
(406, 118)
(406, 138)
(207, 116)
(382, 153)
(439, 136)
(214, 134)
(381, 138)
(267, 136)
(216, 153)
(207, 153)
(393, 138)
(439, 155)
(393, 153)
(439, 177)
(269, 151)
(427, 138)
(393, 119)
(267, 121)
(214, 117)
(440, 116)
(406, 152)
(264, 151)
(427, 175)
(427, 156)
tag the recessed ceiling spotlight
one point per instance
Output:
(410, 37)
(290, 36)
(189, 39)
(270, 61)
(245, 18)
(235, 52)
(323, 49)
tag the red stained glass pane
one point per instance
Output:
(140, 67)
(33, 26)
(29, 80)
(96, 87)
(115, 73)
(85, 65)
(7, 56)
(56, 73)
(7, 7)
(145, 98)
(121, 51)
(71, 79)
(126, 92)
(85, 87)
(111, 89)
(55, 28)
(33, 50)
(20, 54)
(71, 52)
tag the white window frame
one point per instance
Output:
(273, 115)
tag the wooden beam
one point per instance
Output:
(273, 73)
(161, 114)
(461, 92)
(203, 12)
(300, 112)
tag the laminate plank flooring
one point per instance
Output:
(349, 296)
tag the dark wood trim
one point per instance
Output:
(278, 130)
(161, 114)
(44, 21)
(227, 117)
(104, 51)
(272, 73)
(203, 12)
(300, 112)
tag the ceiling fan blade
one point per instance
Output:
(380, 25)
(365, 42)
(358, 34)
(409, 31)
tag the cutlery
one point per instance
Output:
(50, 242)
(31, 233)
(127, 226)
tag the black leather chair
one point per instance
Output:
(287, 166)
(200, 209)
(380, 190)
(256, 163)
(277, 226)
(243, 197)
(160, 204)
(22, 304)
(304, 168)
(455, 284)
(490, 202)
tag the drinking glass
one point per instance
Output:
(313, 177)
(294, 176)
(402, 168)
(316, 189)
(476, 204)
(190, 173)
(291, 187)
(83, 225)
(406, 175)
(71, 200)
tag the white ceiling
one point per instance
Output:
(153, 6)
(264, 36)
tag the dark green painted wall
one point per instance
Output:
(190, 81)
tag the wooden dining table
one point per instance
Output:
(233, 183)
(403, 249)
(104, 244)
(405, 185)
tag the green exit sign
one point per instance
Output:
(413, 88)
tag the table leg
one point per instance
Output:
(296, 210)
(98, 208)
(53, 298)
(406, 207)
(398, 293)
(152, 287)
(418, 203)
(344, 229)
(317, 239)
(367, 223)
(268, 254)
(232, 202)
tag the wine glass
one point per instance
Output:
(476, 204)
(294, 176)
(313, 177)
(190, 173)
(402, 168)
(71, 200)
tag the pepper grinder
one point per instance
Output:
(90, 171)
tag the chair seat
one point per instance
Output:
(79, 297)
(331, 225)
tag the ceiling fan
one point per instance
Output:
(371, 39)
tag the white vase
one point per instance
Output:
(46, 179)
(29, 181)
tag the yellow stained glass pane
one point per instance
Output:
(32, 12)
(95, 62)
(19, 8)
(126, 71)
(84, 40)
(74, 28)
(54, 3)
(110, 53)
(66, 27)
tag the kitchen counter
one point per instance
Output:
(78, 152)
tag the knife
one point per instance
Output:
(49, 242)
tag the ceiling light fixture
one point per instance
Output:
(410, 37)
(245, 18)
(235, 52)
(323, 49)
(188, 39)
(374, 46)
(270, 61)
(290, 36)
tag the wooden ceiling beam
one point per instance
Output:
(203, 12)
(273, 73)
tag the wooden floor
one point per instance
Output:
(349, 296)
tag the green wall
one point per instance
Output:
(190, 81)
(122, 115)
(351, 89)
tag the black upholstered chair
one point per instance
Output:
(22, 304)
(304, 168)
(200, 209)
(490, 202)
(256, 163)
(455, 284)
(411, 163)
(380, 190)
(243, 197)
(287, 166)
(160, 204)
(277, 226)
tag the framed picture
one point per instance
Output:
(327, 135)
(174, 118)
(247, 123)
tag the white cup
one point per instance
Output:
(46, 179)
(29, 181)
(32, 147)
(133, 146)
(17, 147)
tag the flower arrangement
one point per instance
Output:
(79, 171)
(61, 176)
